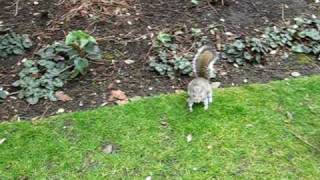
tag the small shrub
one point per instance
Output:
(301, 37)
(14, 44)
(55, 65)
(170, 58)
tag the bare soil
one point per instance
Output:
(121, 38)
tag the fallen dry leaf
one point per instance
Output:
(62, 96)
(119, 97)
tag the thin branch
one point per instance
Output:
(17, 8)
(303, 140)
(282, 12)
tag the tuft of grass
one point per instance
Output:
(257, 131)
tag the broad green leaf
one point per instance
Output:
(164, 37)
(33, 100)
(81, 65)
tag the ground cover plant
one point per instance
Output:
(302, 36)
(57, 64)
(14, 44)
(255, 131)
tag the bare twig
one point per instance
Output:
(17, 8)
(214, 9)
(303, 140)
(45, 112)
(282, 12)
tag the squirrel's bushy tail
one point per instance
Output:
(203, 62)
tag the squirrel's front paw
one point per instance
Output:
(206, 105)
(190, 109)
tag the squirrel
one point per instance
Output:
(199, 89)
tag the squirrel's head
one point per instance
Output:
(197, 94)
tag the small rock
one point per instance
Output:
(273, 52)
(35, 3)
(285, 56)
(222, 20)
(104, 104)
(61, 110)
(295, 74)
(245, 80)
(150, 88)
(81, 103)
(189, 138)
(36, 14)
(13, 97)
(229, 34)
(149, 178)
(235, 65)
(129, 61)
(2, 140)
(260, 66)
(223, 73)
(118, 81)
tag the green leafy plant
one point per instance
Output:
(3, 94)
(54, 66)
(14, 44)
(303, 36)
(168, 62)
(196, 2)
(170, 58)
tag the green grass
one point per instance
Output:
(248, 133)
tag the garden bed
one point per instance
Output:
(125, 35)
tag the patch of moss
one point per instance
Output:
(304, 58)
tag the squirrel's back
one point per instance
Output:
(203, 62)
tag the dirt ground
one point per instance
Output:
(120, 34)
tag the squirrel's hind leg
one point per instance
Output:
(210, 98)
(190, 104)
(206, 104)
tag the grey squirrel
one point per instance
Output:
(199, 89)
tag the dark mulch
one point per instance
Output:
(122, 41)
